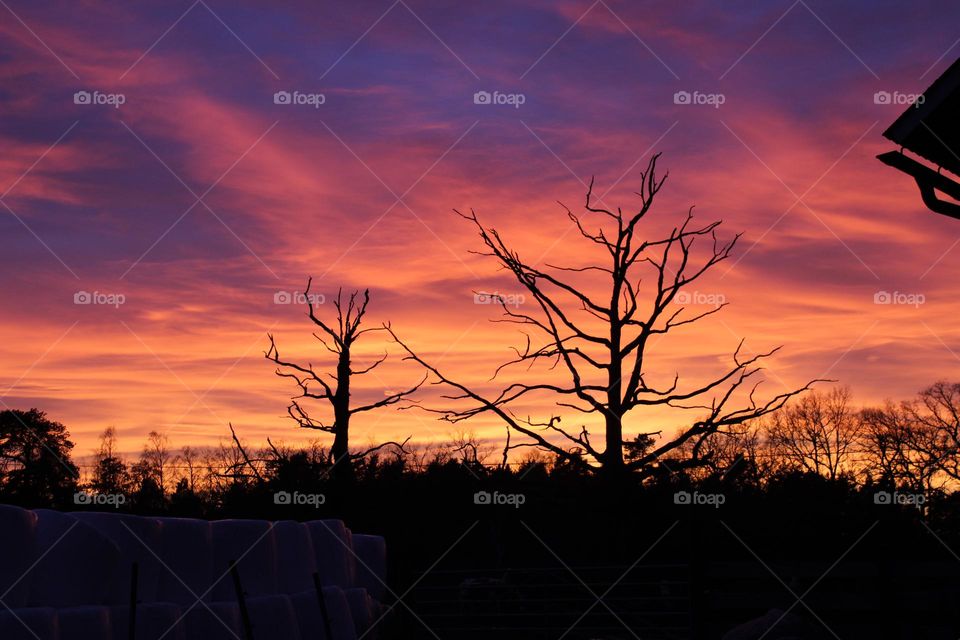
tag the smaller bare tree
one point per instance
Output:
(340, 339)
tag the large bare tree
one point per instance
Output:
(594, 322)
(339, 338)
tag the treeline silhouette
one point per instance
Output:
(909, 446)
(798, 489)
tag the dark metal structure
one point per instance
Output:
(930, 128)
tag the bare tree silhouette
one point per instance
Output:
(899, 448)
(339, 338)
(821, 433)
(110, 473)
(598, 333)
(156, 457)
(935, 419)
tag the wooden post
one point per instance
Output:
(323, 606)
(241, 602)
(132, 627)
(697, 583)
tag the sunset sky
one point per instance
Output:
(198, 199)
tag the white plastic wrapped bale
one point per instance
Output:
(18, 532)
(85, 623)
(214, 621)
(155, 620)
(774, 624)
(33, 623)
(331, 546)
(371, 564)
(186, 548)
(361, 609)
(296, 562)
(310, 618)
(380, 613)
(139, 542)
(75, 562)
(251, 544)
(273, 618)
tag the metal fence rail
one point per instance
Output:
(651, 601)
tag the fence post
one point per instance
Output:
(132, 626)
(241, 601)
(697, 582)
(323, 606)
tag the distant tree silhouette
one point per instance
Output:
(189, 460)
(594, 323)
(639, 447)
(156, 453)
(184, 499)
(936, 415)
(147, 493)
(35, 462)
(743, 453)
(916, 443)
(469, 449)
(110, 472)
(339, 338)
(819, 433)
(900, 451)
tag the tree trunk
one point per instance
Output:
(613, 456)
(340, 451)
